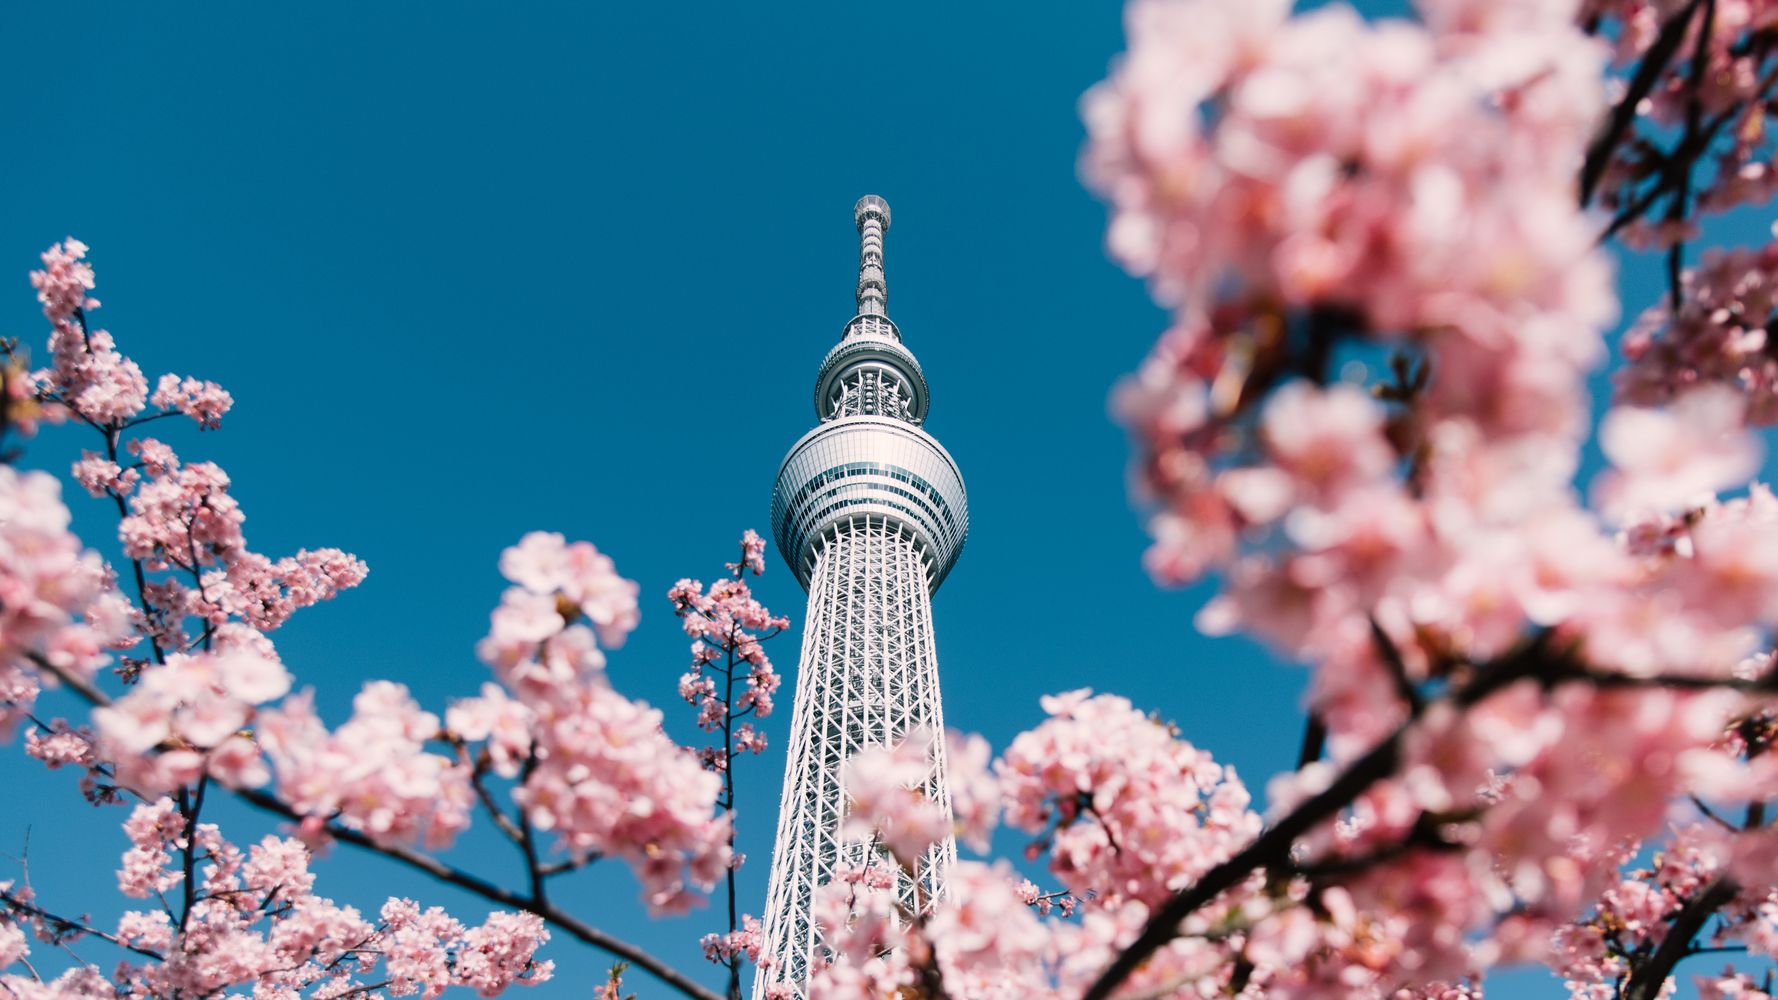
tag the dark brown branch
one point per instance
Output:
(88, 691)
(1314, 741)
(478, 771)
(1711, 815)
(1654, 63)
(1398, 669)
(1647, 978)
(1271, 850)
(123, 510)
(1766, 684)
(1424, 835)
(11, 902)
(566, 865)
(1682, 198)
(528, 838)
(189, 807)
(1687, 150)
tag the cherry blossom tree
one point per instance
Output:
(1537, 720)
(196, 702)
(1538, 712)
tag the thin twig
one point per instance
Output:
(63, 923)
(1398, 669)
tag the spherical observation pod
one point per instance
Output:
(875, 466)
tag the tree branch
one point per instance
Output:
(1271, 849)
(438, 869)
(1314, 741)
(9, 901)
(1653, 64)
(446, 873)
(1398, 670)
(1647, 978)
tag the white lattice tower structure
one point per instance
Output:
(870, 512)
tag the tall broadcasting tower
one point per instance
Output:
(870, 512)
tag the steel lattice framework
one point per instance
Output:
(871, 513)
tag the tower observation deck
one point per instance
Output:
(870, 512)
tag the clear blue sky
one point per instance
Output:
(472, 270)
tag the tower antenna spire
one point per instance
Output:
(872, 216)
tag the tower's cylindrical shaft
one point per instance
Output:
(868, 676)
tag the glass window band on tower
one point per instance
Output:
(865, 460)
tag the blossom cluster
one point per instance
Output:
(728, 627)
(186, 718)
(982, 942)
(207, 699)
(255, 923)
(1632, 916)
(1128, 811)
(374, 773)
(1124, 813)
(1719, 335)
(596, 770)
(1368, 417)
(1708, 103)
(87, 378)
(893, 798)
(58, 605)
(744, 943)
(205, 598)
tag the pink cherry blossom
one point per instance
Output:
(56, 600)
(264, 594)
(1128, 810)
(890, 791)
(744, 943)
(100, 476)
(184, 518)
(543, 563)
(1717, 336)
(975, 793)
(255, 920)
(374, 772)
(154, 829)
(1718, 72)
(204, 402)
(1683, 456)
(598, 773)
(192, 704)
(65, 280)
(753, 555)
(984, 931)
(502, 723)
(608, 781)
